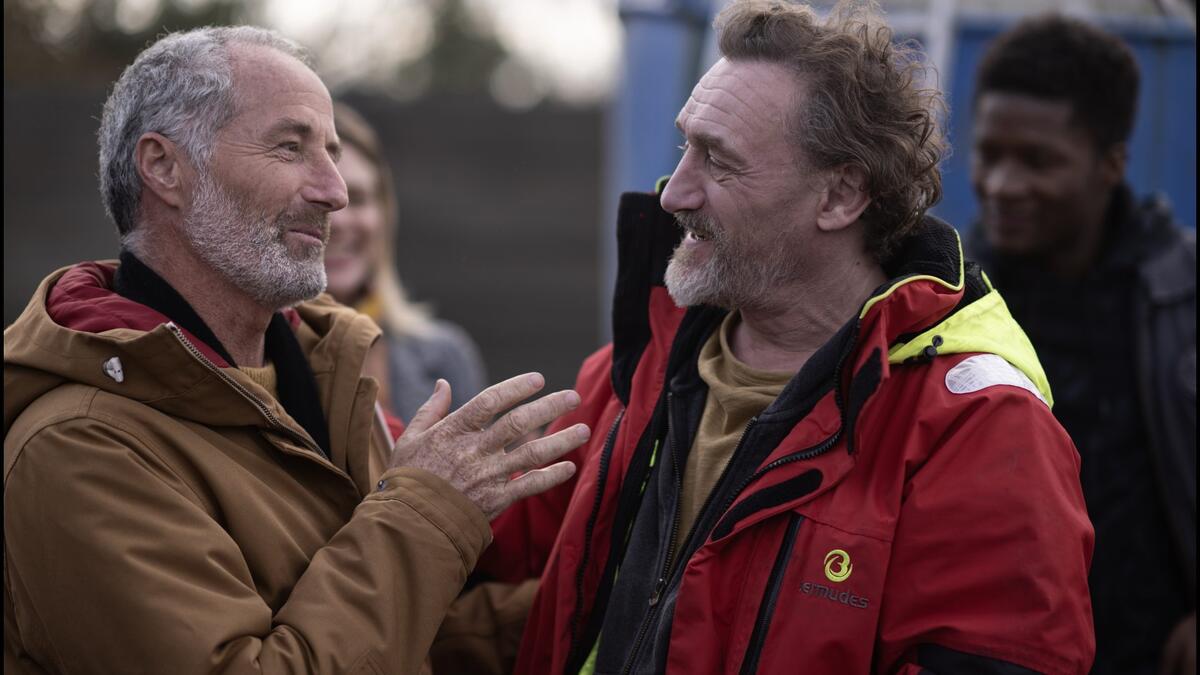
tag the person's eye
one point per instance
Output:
(1040, 159)
(288, 148)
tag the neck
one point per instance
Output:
(237, 320)
(782, 335)
(1075, 259)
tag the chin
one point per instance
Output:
(689, 287)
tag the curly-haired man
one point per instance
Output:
(822, 443)
(1105, 286)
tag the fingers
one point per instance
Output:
(545, 450)
(478, 413)
(538, 481)
(432, 410)
(532, 416)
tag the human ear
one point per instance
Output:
(159, 165)
(845, 200)
(1112, 163)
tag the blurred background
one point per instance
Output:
(511, 127)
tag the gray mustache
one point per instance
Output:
(697, 222)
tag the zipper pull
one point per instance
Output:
(658, 589)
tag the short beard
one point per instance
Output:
(735, 275)
(249, 249)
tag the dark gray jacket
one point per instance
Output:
(1165, 334)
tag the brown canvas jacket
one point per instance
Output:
(179, 521)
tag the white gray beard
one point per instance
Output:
(249, 249)
(690, 283)
(731, 278)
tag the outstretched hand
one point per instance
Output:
(466, 447)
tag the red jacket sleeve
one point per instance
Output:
(993, 546)
(525, 532)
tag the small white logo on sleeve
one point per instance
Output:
(987, 370)
(112, 368)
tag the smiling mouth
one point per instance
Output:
(316, 235)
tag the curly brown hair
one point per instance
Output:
(865, 105)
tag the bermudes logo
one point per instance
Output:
(837, 570)
(837, 566)
(845, 597)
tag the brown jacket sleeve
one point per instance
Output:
(119, 569)
(482, 630)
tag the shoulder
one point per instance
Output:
(973, 399)
(959, 382)
(60, 404)
(451, 336)
(971, 374)
(74, 424)
(79, 408)
(440, 339)
(1172, 253)
(77, 435)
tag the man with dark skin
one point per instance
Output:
(1105, 288)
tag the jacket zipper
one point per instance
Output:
(823, 447)
(601, 479)
(673, 543)
(246, 394)
(770, 597)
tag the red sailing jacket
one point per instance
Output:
(920, 511)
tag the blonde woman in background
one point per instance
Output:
(416, 349)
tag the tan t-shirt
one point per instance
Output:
(264, 377)
(736, 392)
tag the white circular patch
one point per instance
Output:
(988, 370)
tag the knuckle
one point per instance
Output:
(517, 421)
(489, 400)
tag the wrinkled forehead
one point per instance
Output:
(750, 97)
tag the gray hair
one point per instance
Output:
(180, 87)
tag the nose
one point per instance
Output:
(683, 191)
(1005, 179)
(325, 188)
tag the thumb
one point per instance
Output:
(432, 411)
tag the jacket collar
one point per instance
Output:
(135, 281)
(296, 386)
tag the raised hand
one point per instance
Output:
(466, 447)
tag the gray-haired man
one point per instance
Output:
(197, 478)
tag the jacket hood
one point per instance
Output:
(978, 322)
(76, 323)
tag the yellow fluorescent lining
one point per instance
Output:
(907, 280)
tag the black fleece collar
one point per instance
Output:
(296, 385)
